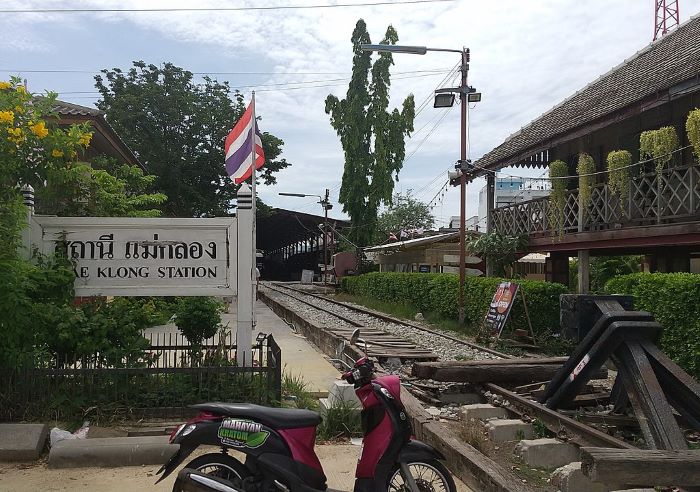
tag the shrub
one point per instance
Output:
(558, 170)
(198, 318)
(692, 127)
(438, 293)
(659, 145)
(672, 299)
(585, 168)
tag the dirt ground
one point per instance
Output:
(338, 462)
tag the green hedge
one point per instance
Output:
(438, 292)
(673, 299)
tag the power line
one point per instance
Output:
(85, 71)
(428, 134)
(217, 9)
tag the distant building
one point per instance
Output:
(508, 191)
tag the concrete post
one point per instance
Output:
(490, 202)
(584, 267)
(245, 277)
(26, 246)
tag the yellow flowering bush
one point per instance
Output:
(31, 142)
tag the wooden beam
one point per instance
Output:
(492, 371)
(642, 466)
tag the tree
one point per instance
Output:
(404, 213)
(177, 128)
(499, 250)
(103, 188)
(372, 138)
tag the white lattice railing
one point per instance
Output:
(674, 196)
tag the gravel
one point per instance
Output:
(444, 348)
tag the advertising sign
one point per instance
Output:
(144, 257)
(499, 309)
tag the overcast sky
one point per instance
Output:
(526, 56)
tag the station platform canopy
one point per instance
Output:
(286, 227)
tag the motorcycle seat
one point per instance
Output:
(278, 418)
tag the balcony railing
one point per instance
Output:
(672, 196)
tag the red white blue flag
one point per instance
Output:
(239, 148)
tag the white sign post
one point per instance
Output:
(246, 275)
(117, 256)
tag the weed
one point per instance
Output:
(540, 430)
(296, 388)
(519, 435)
(341, 420)
(534, 476)
(471, 433)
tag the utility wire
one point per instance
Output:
(216, 9)
(78, 71)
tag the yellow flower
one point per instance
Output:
(39, 129)
(21, 89)
(19, 109)
(4, 85)
(7, 117)
(85, 138)
(15, 135)
(57, 153)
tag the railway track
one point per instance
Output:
(420, 334)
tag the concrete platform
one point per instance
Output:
(299, 357)
(111, 452)
(22, 442)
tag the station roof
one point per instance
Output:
(666, 68)
(284, 227)
(412, 243)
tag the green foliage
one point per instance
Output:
(603, 268)
(619, 162)
(438, 292)
(498, 249)
(585, 168)
(296, 389)
(673, 300)
(198, 318)
(373, 139)
(404, 212)
(692, 128)
(341, 420)
(90, 190)
(659, 145)
(557, 198)
(177, 128)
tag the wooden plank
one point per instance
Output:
(648, 467)
(489, 371)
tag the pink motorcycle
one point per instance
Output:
(279, 446)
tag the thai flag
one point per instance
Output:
(238, 148)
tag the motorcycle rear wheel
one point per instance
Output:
(222, 466)
(430, 476)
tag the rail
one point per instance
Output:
(650, 199)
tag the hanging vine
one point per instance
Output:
(659, 145)
(585, 168)
(557, 198)
(692, 127)
(619, 162)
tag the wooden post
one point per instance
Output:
(490, 199)
(584, 267)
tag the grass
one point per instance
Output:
(341, 420)
(295, 388)
(534, 476)
(407, 312)
(471, 433)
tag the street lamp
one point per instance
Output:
(327, 205)
(444, 98)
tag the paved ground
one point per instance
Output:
(299, 357)
(339, 463)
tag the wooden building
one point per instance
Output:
(660, 215)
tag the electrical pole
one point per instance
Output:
(325, 204)
(464, 89)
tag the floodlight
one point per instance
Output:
(444, 100)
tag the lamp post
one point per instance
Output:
(327, 205)
(444, 98)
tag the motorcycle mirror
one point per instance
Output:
(355, 335)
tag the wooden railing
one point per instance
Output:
(672, 196)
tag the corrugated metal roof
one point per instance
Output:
(665, 63)
(409, 243)
(66, 108)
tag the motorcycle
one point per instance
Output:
(278, 445)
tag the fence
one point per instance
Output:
(161, 382)
(671, 196)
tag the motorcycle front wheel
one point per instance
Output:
(430, 476)
(220, 465)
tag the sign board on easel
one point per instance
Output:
(499, 309)
(144, 256)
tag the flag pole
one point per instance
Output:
(253, 277)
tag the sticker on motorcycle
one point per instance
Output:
(242, 433)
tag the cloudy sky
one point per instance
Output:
(526, 56)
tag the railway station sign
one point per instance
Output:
(143, 256)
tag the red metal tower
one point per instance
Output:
(666, 17)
